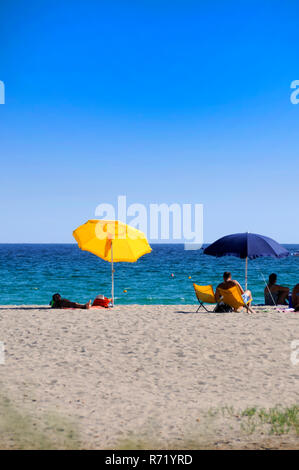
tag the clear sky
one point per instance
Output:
(162, 101)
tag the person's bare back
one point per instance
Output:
(274, 293)
(228, 283)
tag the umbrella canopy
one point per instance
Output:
(113, 241)
(246, 245)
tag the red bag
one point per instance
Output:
(101, 302)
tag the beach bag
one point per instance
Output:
(101, 301)
(223, 308)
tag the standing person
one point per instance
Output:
(58, 302)
(228, 283)
(275, 294)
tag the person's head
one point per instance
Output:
(227, 276)
(272, 279)
(56, 297)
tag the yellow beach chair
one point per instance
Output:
(234, 299)
(205, 295)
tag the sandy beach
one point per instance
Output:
(155, 376)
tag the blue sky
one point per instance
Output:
(185, 102)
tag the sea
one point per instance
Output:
(32, 273)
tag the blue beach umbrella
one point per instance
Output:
(246, 245)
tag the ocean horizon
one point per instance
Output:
(31, 273)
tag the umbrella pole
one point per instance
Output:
(246, 272)
(112, 275)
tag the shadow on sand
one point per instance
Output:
(186, 312)
(22, 307)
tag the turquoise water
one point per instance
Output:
(30, 274)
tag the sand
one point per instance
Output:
(156, 375)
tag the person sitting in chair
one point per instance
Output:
(58, 302)
(275, 294)
(295, 297)
(228, 283)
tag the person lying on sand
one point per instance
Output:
(275, 294)
(295, 297)
(58, 302)
(228, 283)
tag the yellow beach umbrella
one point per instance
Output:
(113, 241)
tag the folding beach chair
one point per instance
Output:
(234, 299)
(205, 295)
